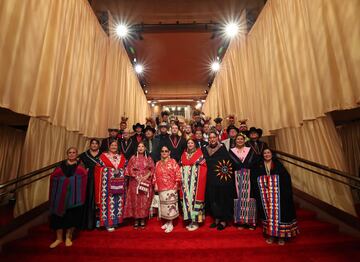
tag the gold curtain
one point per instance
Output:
(317, 140)
(56, 62)
(300, 60)
(11, 144)
(44, 144)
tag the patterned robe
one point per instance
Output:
(167, 178)
(276, 206)
(193, 185)
(245, 204)
(220, 183)
(138, 203)
(111, 205)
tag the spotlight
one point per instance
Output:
(215, 66)
(122, 30)
(139, 68)
(173, 108)
(152, 105)
(231, 29)
(149, 101)
(146, 91)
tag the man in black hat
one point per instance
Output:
(163, 132)
(138, 136)
(219, 129)
(232, 131)
(254, 134)
(152, 143)
(113, 135)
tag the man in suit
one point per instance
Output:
(152, 143)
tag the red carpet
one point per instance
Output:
(318, 241)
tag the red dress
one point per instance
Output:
(138, 203)
(109, 202)
(167, 175)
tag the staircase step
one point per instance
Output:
(317, 239)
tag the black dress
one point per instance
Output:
(72, 217)
(276, 209)
(245, 205)
(89, 210)
(220, 183)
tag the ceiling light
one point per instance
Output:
(215, 66)
(139, 68)
(231, 30)
(122, 30)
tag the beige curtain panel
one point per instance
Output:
(301, 60)
(317, 140)
(11, 144)
(57, 63)
(40, 151)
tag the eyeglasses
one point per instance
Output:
(164, 151)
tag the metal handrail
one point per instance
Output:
(323, 167)
(29, 175)
(316, 172)
(308, 162)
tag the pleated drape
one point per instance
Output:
(318, 141)
(58, 66)
(300, 61)
(56, 62)
(11, 144)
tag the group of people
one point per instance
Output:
(190, 168)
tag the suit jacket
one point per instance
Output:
(153, 150)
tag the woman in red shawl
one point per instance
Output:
(140, 170)
(193, 185)
(167, 178)
(110, 187)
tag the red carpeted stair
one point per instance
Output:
(318, 241)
